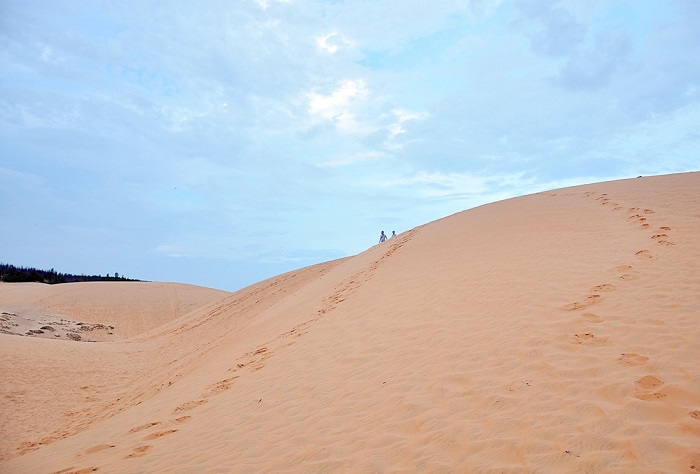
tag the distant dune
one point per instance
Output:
(555, 332)
(97, 311)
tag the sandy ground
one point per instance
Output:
(556, 332)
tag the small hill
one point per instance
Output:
(97, 311)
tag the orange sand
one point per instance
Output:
(556, 332)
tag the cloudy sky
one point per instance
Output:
(219, 143)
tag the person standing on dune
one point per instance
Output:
(382, 237)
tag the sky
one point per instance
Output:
(219, 143)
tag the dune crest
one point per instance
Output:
(551, 332)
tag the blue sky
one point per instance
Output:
(219, 143)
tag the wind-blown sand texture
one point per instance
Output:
(556, 332)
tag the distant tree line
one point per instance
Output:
(13, 274)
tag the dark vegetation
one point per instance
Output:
(13, 274)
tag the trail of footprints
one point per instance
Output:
(141, 437)
(352, 283)
(250, 361)
(648, 387)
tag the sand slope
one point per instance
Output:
(556, 332)
(47, 383)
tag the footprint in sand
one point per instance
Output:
(160, 434)
(98, 448)
(604, 288)
(139, 451)
(579, 305)
(189, 406)
(72, 470)
(630, 358)
(648, 397)
(648, 381)
(219, 387)
(143, 427)
(625, 274)
(645, 254)
(592, 318)
(637, 218)
(695, 414)
(645, 385)
(662, 239)
(182, 419)
(627, 277)
(588, 339)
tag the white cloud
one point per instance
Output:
(330, 43)
(402, 116)
(341, 105)
(48, 55)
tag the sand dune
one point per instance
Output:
(556, 332)
(126, 308)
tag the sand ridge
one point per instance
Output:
(550, 333)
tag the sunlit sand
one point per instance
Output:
(555, 332)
